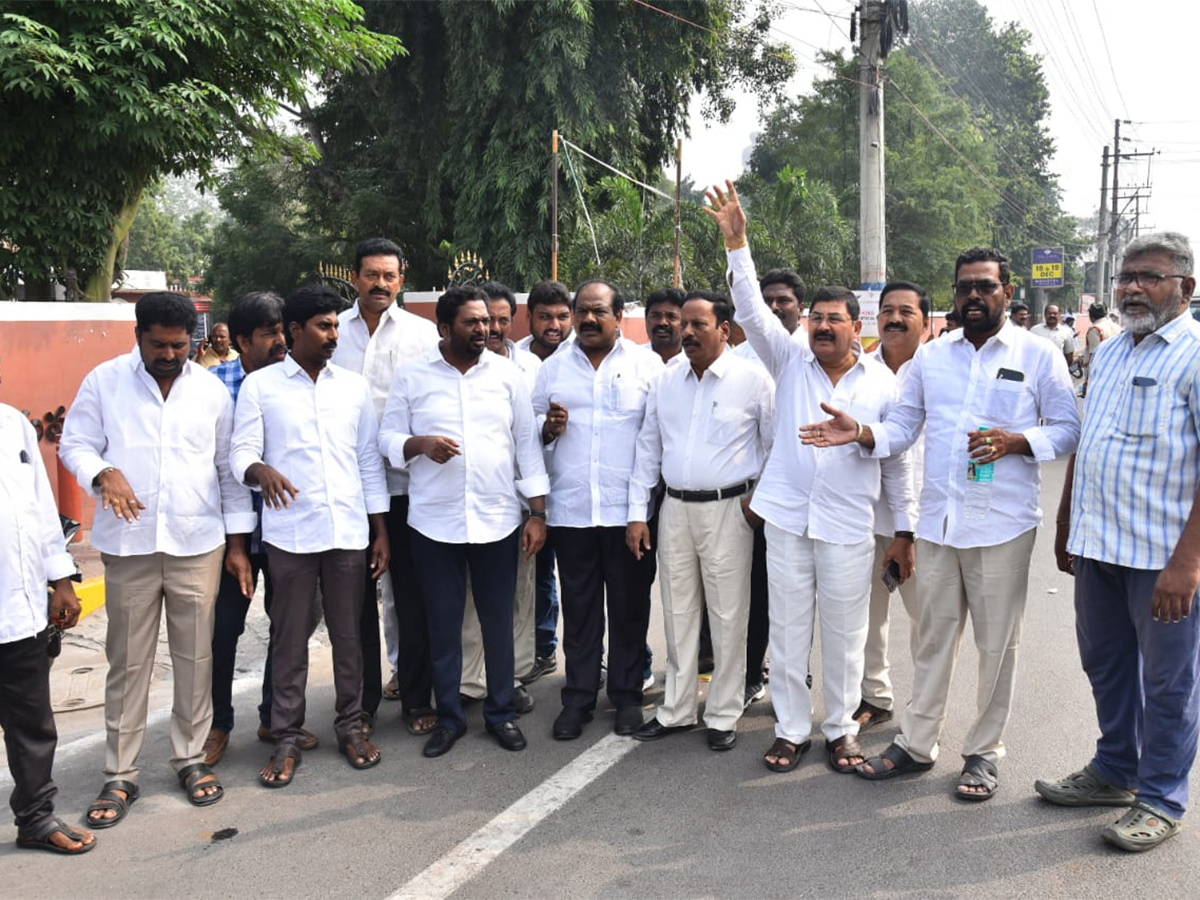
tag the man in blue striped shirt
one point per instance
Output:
(1129, 530)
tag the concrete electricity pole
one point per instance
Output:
(872, 234)
(1102, 286)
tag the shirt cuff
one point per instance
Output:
(394, 451)
(378, 503)
(240, 522)
(638, 512)
(882, 448)
(1039, 443)
(902, 521)
(537, 486)
(60, 565)
(88, 473)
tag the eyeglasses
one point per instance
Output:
(985, 288)
(831, 319)
(1144, 279)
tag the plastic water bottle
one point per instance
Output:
(979, 487)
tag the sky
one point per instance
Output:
(1102, 59)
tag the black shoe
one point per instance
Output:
(603, 674)
(522, 701)
(705, 665)
(542, 665)
(570, 722)
(441, 739)
(655, 730)
(507, 735)
(754, 692)
(721, 740)
(629, 720)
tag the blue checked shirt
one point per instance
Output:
(1138, 464)
(232, 375)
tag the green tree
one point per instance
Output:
(119, 93)
(164, 237)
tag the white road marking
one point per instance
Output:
(89, 742)
(473, 855)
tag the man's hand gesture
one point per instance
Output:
(726, 209)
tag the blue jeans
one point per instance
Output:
(546, 604)
(229, 621)
(1144, 681)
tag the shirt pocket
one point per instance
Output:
(724, 425)
(1141, 411)
(624, 397)
(1005, 403)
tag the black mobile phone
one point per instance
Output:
(891, 576)
(1010, 375)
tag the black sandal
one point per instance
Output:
(108, 799)
(190, 778)
(902, 764)
(845, 747)
(39, 839)
(277, 763)
(978, 772)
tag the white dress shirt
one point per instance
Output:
(1061, 336)
(526, 343)
(474, 497)
(322, 436)
(399, 337)
(32, 546)
(884, 524)
(590, 463)
(951, 389)
(827, 494)
(174, 453)
(746, 350)
(527, 362)
(703, 433)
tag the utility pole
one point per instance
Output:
(1102, 287)
(1116, 164)
(872, 233)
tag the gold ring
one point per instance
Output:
(988, 441)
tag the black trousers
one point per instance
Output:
(29, 733)
(414, 670)
(442, 569)
(597, 571)
(229, 623)
(758, 628)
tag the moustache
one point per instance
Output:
(895, 326)
(663, 329)
(330, 346)
(380, 292)
(595, 329)
(823, 336)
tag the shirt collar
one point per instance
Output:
(717, 367)
(291, 367)
(392, 312)
(1175, 329)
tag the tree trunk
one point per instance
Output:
(99, 285)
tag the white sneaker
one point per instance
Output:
(648, 683)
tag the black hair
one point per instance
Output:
(785, 277)
(497, 291)
(953, 316)
(721, 306)
(455, 299)
(308, 301)
(922, 297)
(1096, 312)
(548, 293)
(618, 300)
(166, 309)
(672, 295)
(1016, 308)
(252, 311)
(377, 247)
(984, 254)
(835, 294)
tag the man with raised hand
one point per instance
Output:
(1129, 531)
(148, 434)
(994, 402)
(818, 509)
(375, 337)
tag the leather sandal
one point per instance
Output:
(902, 764)
(978, 772)
(278, 765)
(846, 747)
(786, 753)
(192, 778)
(355, 746)
(39, 838)
(108, 799)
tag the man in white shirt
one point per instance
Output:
(306, 435)
(591, 398)
(548, 308)
(1060, 335)
(662, 323)
(148, 434)
(994, 402)
(31, 555)
(903, 322)
(707, 430)
(502, 307)
(375, 337)
(460, 419)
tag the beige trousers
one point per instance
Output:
(474, 678)
(704, 556)
(138, 589)
(877, 679)
(989, 584)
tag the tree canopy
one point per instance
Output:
(110, 95)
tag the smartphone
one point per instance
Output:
(891, 576)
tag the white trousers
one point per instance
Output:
(799, 570)
(474, 678)
(704, 556)
(391, 625)
(989, 584)
(877, 679)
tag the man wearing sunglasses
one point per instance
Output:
(994, 402)
(1129, 531)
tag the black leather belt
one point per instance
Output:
(734, 490)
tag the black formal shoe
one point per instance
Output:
(507, 735)
(542, 665)
(629, 720)
(655, 730)
(522, 701)
(441, 739)
(570, 722)
(721, 740)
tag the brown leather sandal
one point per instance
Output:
(786, 753)
(846, 747)
(355, 746)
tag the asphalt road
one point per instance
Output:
(608, 817)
